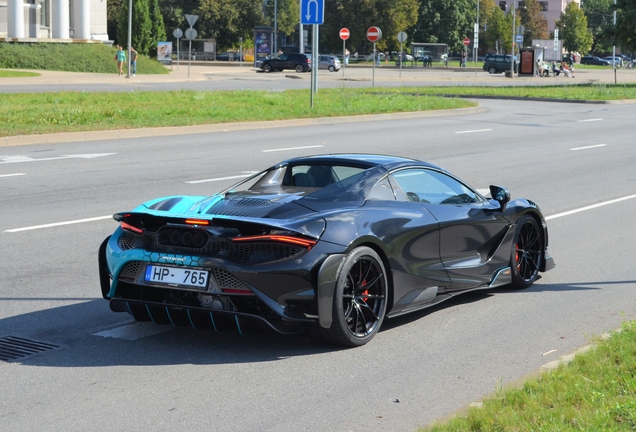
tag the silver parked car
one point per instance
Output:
(329, 62)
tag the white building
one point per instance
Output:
(53, 19)
(551, 8)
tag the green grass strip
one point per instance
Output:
(596, 92)
(19, 74)
(36, 113)
(596, 392)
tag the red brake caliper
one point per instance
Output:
(365, 292)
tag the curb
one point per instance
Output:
(531, 99)
(66, 137)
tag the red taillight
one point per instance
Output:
(197, 222)
(128, 227)
(278, 238)
(235, 291)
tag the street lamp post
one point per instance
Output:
(275, 27)
(512, 48)
(129, 35)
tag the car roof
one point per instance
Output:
(358, 159)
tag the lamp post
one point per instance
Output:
(129, 35)
(614, 47)
(275, 27)
(512, 48)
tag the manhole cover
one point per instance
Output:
(15, 348)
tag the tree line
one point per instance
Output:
(585, 29)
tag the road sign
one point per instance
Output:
(466, 41)
(312, 12)
(344, 34)
(191, 19)
(190, 33)
(518, 38)
(374, 34)
(177, 33)
(401, 37)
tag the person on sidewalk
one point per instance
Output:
(133, 61)
(120, 57)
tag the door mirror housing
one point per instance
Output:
(501, 195)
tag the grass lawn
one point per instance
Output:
(12, 73)
(37, 113)
(596, 392)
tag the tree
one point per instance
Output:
(600, 22)
(499, 31)
(573, 29)
(158, 29)
(287, 15)
(141, 38)
(486, 11)
(227, 20)
(534, 22)
(392, 16)
(445, 21)
(625, 31)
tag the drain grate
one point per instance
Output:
(14, 348)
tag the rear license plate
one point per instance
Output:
(177, 276)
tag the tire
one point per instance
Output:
(527, 252)
(332, 69)
(300, 68)
(359, 301)
(492, 70)
(267, 67)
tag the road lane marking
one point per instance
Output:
(588, 147)
(12, 175)
(473, 131)
(20, 159)
(589, 120)
(590, 207)
(219, 179)
(291, 148)
(58, 224)
(134, 331)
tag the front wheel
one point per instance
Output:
(267, 68)
(492, 70)
(527, 250)
(359, 301)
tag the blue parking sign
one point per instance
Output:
(312, 12)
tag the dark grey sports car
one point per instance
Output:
(330, 244)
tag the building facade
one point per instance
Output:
(53, 19)
(551, 8)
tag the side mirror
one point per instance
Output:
(501, 195)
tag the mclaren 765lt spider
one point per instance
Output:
(329, 244)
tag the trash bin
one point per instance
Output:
(508, 74)
(397, 61)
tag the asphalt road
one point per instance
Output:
(111, 374)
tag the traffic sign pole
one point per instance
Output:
(344, 35)
(374, 34)
(401, 37)
(375, 54)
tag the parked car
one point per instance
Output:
(329, 244)
(369, 57)
(593, 60)
(617, 59)
(228, 56)
(498, 63)
(329, 62)
(297, 62)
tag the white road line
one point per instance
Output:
(58, 224)
(21, 159)
(472, 131)
(12, 175)
(134, 331)
(219, 179)
(588, 147)
(589, 120)
(291, 148)
(590, 207)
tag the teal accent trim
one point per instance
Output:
(190, 318)
(213, 323)
(149, 314)
(169, 317)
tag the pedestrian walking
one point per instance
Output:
(133, 61)
(120, 58)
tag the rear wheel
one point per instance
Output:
(267, 67)
(527, 250)
(300, 68)
(332, 69)
(492, 70)
(359, 301)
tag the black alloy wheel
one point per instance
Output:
(267, 67)
(527, 251)
(492, 70)
(300, 68)
(360, 296)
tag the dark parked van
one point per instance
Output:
(498, 63)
